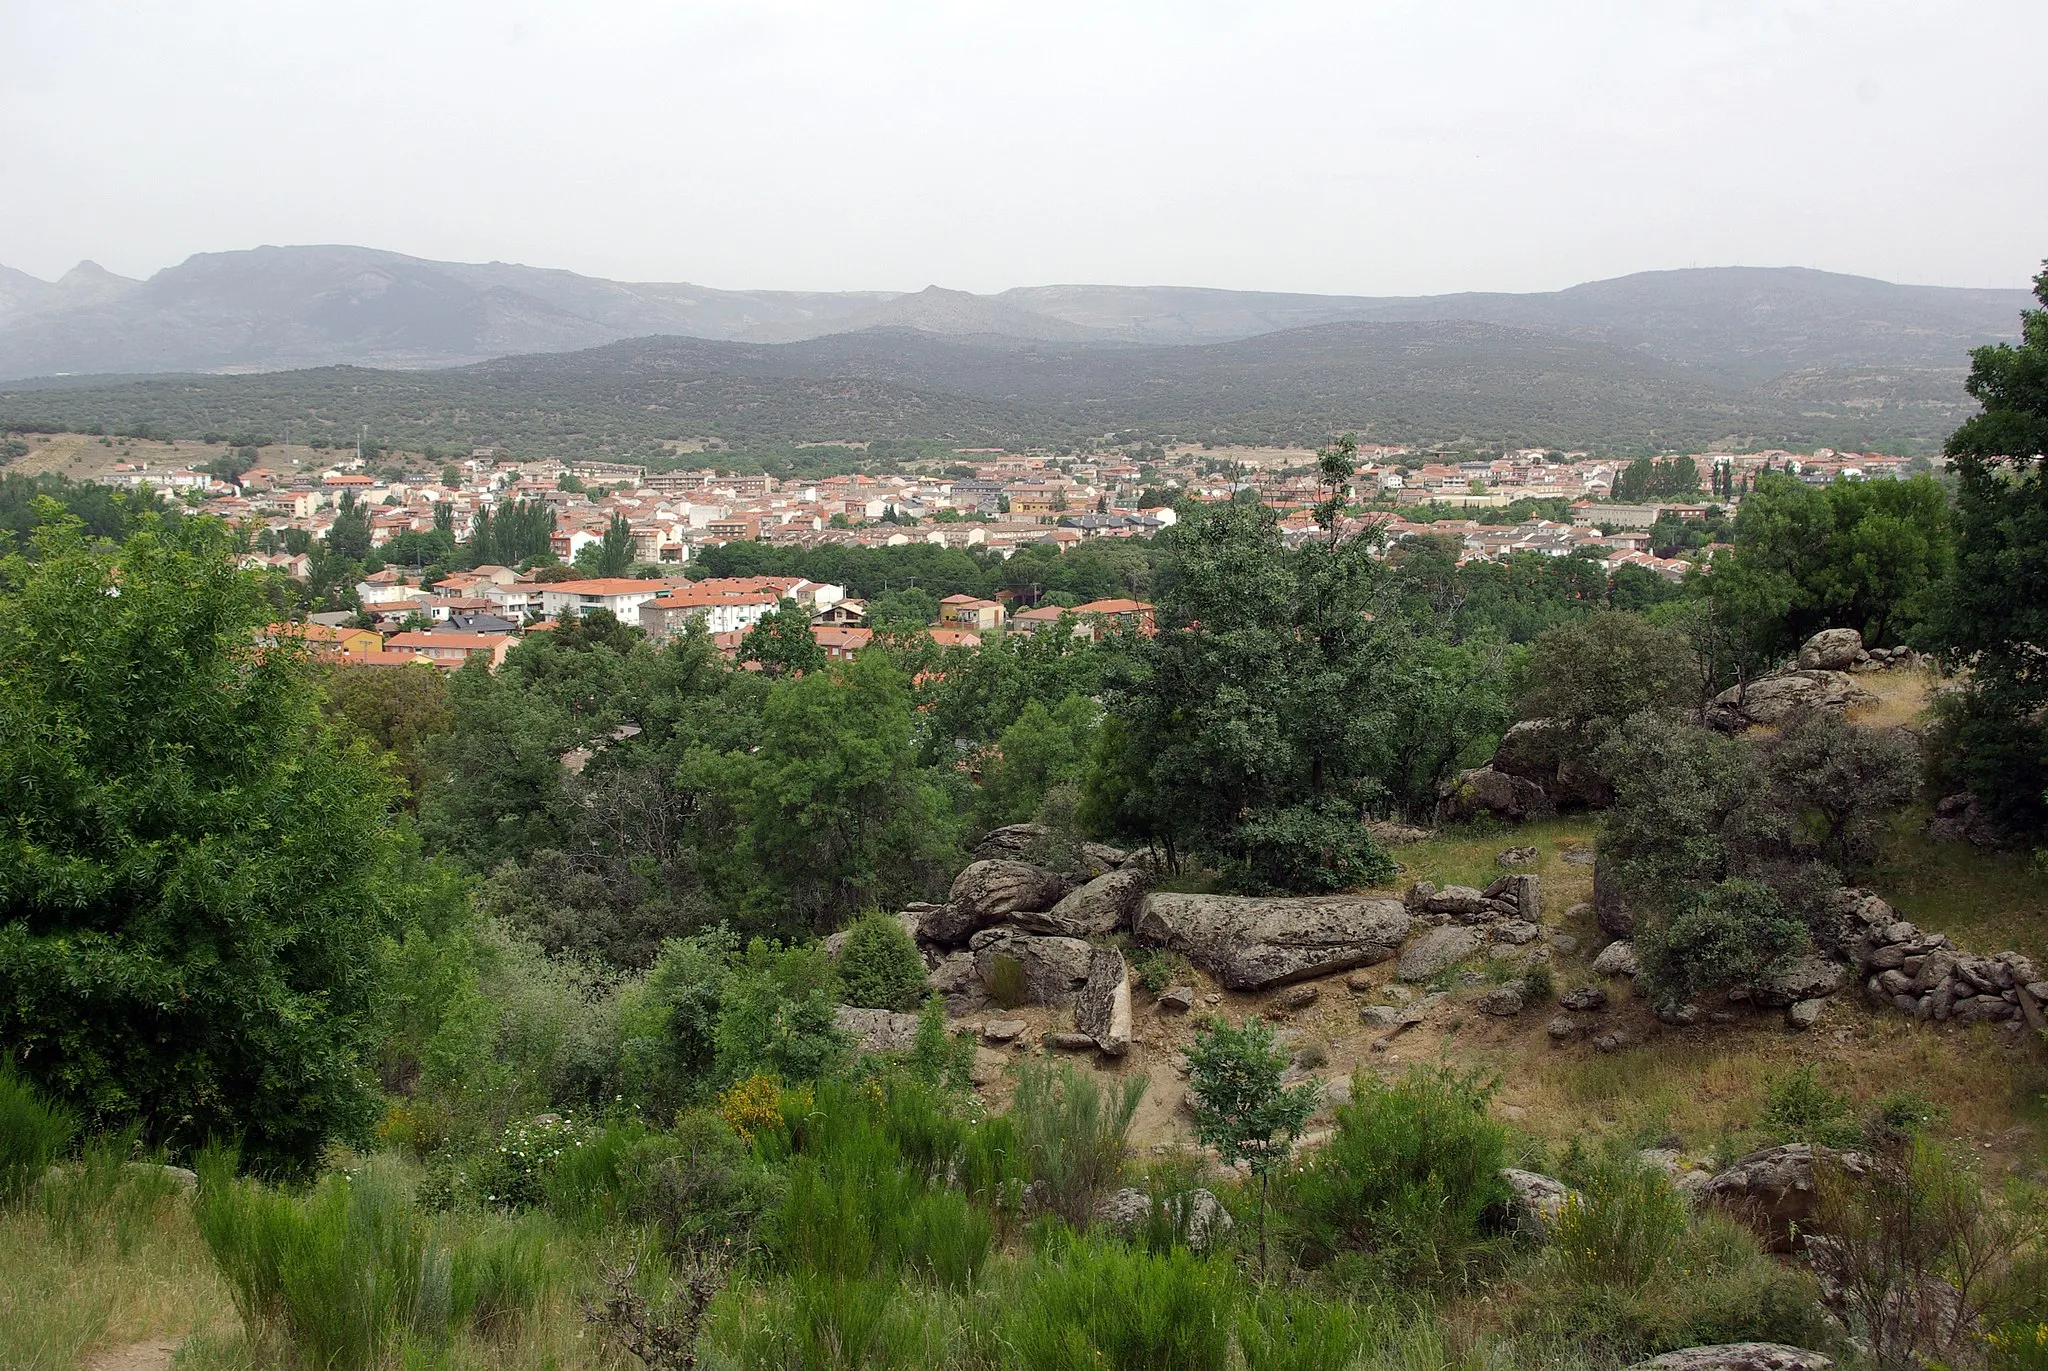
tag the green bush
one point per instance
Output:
(1799, 1107)
(103, 1199)
(1715, 1287)
(33, 1133)
(1153, 969)
(1103, 1305)
(879, 966)
(1071, 1133)
(197, 868)
(866, 1194)
(1621, 1228)
(1409, 1188)
(350, 1273)
(1724, 935)
(1283, 1331)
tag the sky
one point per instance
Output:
(1351, 146)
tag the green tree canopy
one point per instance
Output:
(1994, 606)
(194, 870)
(1255, 728)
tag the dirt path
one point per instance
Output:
(154, 1355)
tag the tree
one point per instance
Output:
(1864, 554)
(396, 711)
(1994, 604)
(1044, 748)
(782, 642)
(194, 869)
(615, 555)
(349, 536)
(1255, 728)
(903, 609)
(1241, 1107)
(842, 816)
(1596, 671)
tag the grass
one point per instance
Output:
(1986, 901)
(103, 1257)
(1465, 856)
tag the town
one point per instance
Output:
(1663, 516)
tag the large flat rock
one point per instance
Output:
(1253, 942)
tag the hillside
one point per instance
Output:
(1452, 384)
(271, 308)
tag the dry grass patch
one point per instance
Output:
(129, 1270)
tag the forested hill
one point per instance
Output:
(1452, 384)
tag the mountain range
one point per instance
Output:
(497, 352)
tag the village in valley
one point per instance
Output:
(409, 611)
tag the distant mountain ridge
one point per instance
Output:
(276, 308)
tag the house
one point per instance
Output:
(384, 587)
(720, 609)
(969, 612)
(843, 614)
(324, 640)
(953, 637)
(1133, 616)
(841, 643)
(622, 596)
(452, 650)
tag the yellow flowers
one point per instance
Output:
(755, 1104)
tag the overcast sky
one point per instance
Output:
(1367, 146)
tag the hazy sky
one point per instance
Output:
(1370, 146)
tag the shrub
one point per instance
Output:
(1104, 1305)
(517, 1174)
(1727, 934)
(350, 1272)
(1800, 1108)
(33, 1133)
(1410, 1184)
(817, 1323)
(753, 1106)
(776, 1015)
(1604, 668)
(1716, 1288)
(1847, 782)
(1071, 1132)
(1281, 1331)
(103, 1197)
(1621, 1228)
(879, 966)
(698, 1188)
(1154, 968)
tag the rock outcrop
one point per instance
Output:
(877, 1030)
(1610, 911)
(987, 892)
(1104, 1009)
(1831, 649)
(1537, 1201)
(1052, 969)
(1774, 1190)
(1101, 907)
(1772, 699)
(1252, 943)
(1436, 951)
